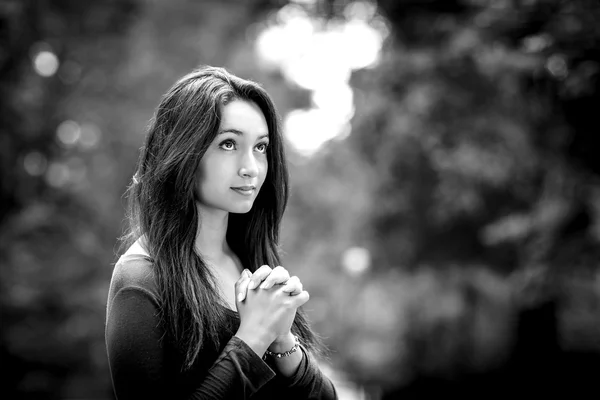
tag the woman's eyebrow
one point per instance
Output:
(231, 130)
(240, 133)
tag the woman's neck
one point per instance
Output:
(211, 235)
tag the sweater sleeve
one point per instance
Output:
(308, 382)
(138, 364)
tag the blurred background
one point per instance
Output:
(445, 209)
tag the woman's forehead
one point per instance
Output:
(243, 117)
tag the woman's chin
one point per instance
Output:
(241, 209)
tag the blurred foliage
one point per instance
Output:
(53, 243)
(470, 164)
(470, 177)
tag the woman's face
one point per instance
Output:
(234, 167)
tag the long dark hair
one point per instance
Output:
(162, 206)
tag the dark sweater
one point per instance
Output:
(144, 364)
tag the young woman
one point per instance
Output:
(198, 306)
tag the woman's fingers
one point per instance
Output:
(293, 286)
(258, 276)
(279, 275)
(300, 299)
(241, 286)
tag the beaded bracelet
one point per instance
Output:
(286, 353)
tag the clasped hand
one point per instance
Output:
(266, 278)
(267, 301)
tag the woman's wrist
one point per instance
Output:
(256, 342)
(285, 355)
(283, 343)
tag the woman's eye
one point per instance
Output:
(262, 147)
(227, 145)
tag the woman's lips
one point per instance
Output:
(244, 190)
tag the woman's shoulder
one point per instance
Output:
(134, 269)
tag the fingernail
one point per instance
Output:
(240, 297)
(252, 285)
(246, 273)
(263, 286)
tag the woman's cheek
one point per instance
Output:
(265, 169)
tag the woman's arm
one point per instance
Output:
(288, 365)
(308, 382)
(138, 363)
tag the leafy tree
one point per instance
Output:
(472, 174)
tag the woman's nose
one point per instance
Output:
(248, 166)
